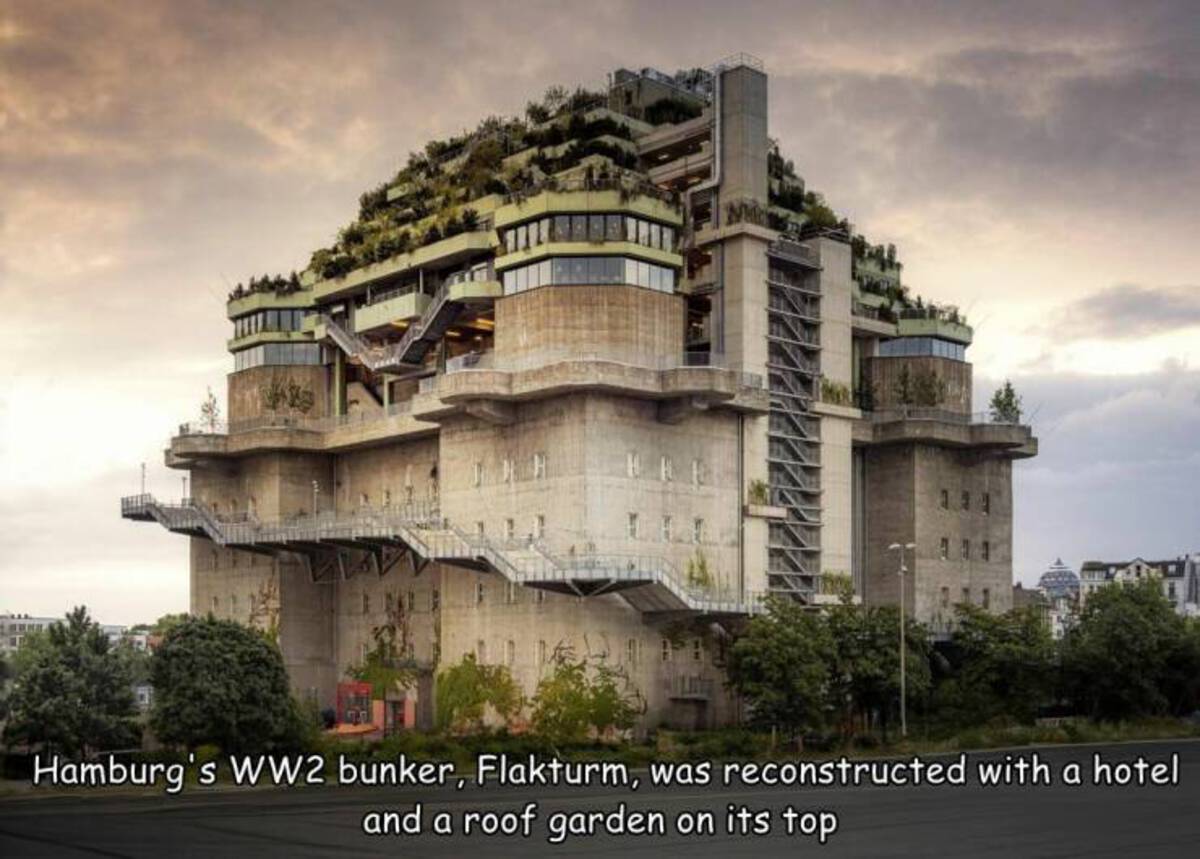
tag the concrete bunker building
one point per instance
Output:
(599, 380)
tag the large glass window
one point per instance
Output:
(597, 270)
(904, 347)
(277, 354)
(589, 228)
(268, 320)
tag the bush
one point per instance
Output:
(219, 683)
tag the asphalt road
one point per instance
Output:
(1053, 821)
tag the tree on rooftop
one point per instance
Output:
(1006, 405)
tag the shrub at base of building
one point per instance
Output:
(219, 683)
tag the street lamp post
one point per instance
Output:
(898, 547)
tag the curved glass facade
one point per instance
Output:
(268, 320)
(589, 271)
(906, 347)
(590, 228)
(276, 354)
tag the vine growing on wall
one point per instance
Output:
(292, 396)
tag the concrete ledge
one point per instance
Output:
(764, 511)
(1013, 441)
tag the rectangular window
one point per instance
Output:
(666, 650)
(613, 228)
(966, 500)
(697, 650)
(510, 240)
(579, 227)
(480, 593)
(945, 597)
(697, 531)
(631, 229)
(366, 603)
(631, 526)
(596, 228)
(655, 235)
(643, 228)
(510, 529)
(541, 652)
(633, 464)
(477, 478)
(697, 472)
(986, 550)
(479, 530)
(987, 503)
(966, 550)
(507, 467)
(966, 596)
(539, 466)
(510, 593)
(562, 228)
(481, 652)
(510, 652)
(945, 500)
(631, 651)
(522, 237)
(944, 548)
(666, 469)
(665, 529)
(987, 597)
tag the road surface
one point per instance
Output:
(1055, 821)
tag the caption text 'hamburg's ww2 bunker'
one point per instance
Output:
(599, 379)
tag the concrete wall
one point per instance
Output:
(885, 373)
(245, 390)
(619, 322)
(904, 485)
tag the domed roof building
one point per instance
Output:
(1059, 580)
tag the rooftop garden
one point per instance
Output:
(432, 192)
(269, 283)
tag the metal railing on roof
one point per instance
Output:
(916, 413)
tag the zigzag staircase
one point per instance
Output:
(648, 584)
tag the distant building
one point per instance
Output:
(1180, 578)
(1059, 580)
(14, 628)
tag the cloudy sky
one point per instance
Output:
(1039, 164)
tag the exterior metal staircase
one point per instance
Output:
(408, 353)
(648, 584)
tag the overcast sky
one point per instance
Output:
(1038, 164)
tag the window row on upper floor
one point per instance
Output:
(268, 320)
(906, 347)
(590, 228)
(590, 271)
(277, 354)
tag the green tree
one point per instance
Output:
(780, 666)
(864, 672)
(573, 701)
(218, 682)
(999, 666)
(71, 692)
(1131, 655)
(466, 690)
(1006, 405)
(903, 388)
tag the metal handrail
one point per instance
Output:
(419, 525)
